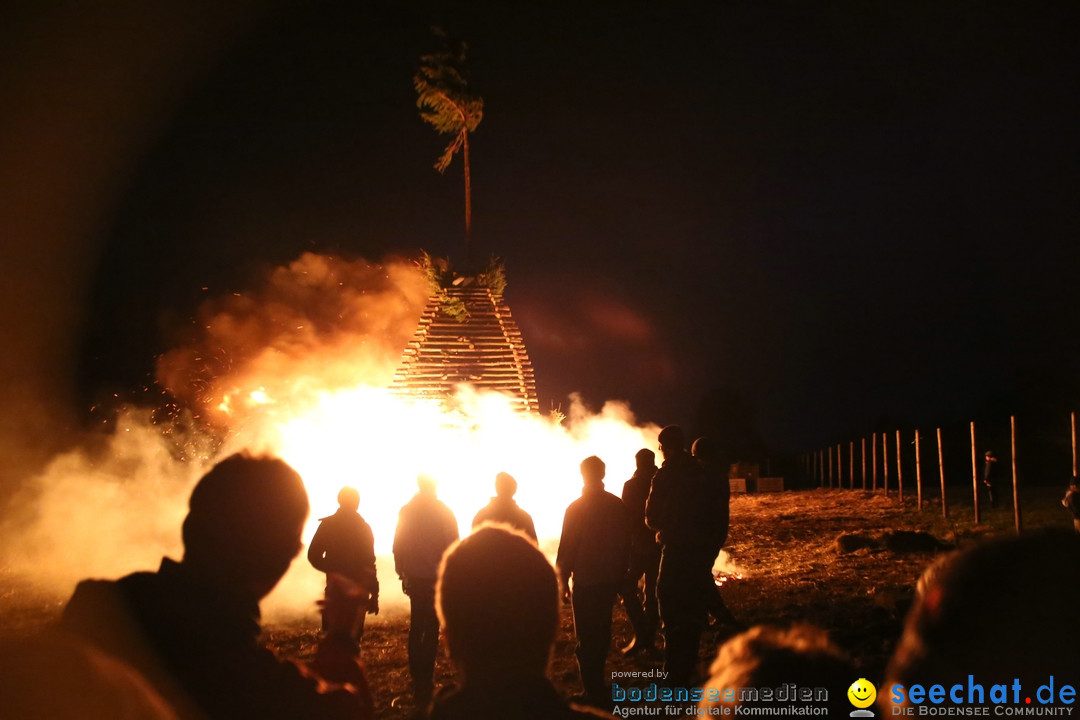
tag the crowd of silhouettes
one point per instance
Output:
(183, 641)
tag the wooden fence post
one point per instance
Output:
(1016, 488)
(941, 474)
(899, 470)
(851, 465)
(974, 475)
(873, 459)
(830, 467)
(840, 466)
(1072, 416)
(918, 473)
(885, 460)
(863, 456)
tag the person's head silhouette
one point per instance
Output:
(505, 485)
(498, 601)
(244, 523)
(593, 471)
(348, 499)
(645, 459)
(672, 440)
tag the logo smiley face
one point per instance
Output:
(862, 693)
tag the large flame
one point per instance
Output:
(380, 443)
(300, 369)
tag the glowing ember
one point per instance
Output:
(721, 578)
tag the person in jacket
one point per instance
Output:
(504, 509)
(640, 601)
(344, 545)
(594, 551)
(681, 509)
(426, 527)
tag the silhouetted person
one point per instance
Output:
(770, 657)
(640, 602)
(991, 477)
(707, 452)
(344, 545)
(594, 551)
(1071, 501)
(192, 627)
(680, 511)
(499, 605)
(504, 509)
(426, 527)
(1000, 610)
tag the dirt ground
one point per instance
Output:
(785, 547)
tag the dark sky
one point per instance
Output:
(843, 211)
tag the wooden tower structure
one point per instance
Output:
(466, 334)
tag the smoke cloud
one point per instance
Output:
(115, 504)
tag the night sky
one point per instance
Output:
(843, 212)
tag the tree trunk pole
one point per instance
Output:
(468, 201)
(974, 475)
(918, 473)
(941, 474)
(862, 454)
(899, 470)
(1016, 486)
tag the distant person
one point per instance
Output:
(192, 627)
(426, 527)
(344, 545)
(1072, 501)
(707, 452)
(1003, 608)
(504, 509)
(680, 511)
(770, 657)
(594, 551)
(639, 599)
(991, 477)
(499, 605)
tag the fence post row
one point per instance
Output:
(814, 465)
